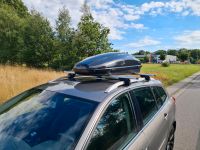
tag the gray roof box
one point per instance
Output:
(108, 63)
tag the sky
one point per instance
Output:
(136, 24)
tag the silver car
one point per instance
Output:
(90, 114)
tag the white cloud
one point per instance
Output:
(186, 13)
(111, 19)
(51, 8)
(146, 7)
(117, 19)
(147, 41)
(172, 6)
(130, 17)
(194, 5)
(137, 26)
(189, 39)
(175, 6)
(100, 4)
(116, 15)
(106, 12)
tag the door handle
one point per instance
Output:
(165, 116)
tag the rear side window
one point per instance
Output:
(115, 128)
(160, 95)
(157, 97)
(146, 102)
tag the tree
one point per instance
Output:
(147, 52)
(159, 52)
(91, 37)
(11, 35)
(27, 38)
(38, 38)
(146, 59)
(195, 54)
(183, 54)
(172, 52)
(17, 5)
(64, 36)
(141, 52)
(162, 56)
(63, 29)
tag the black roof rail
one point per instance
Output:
(123, 80)
(146, 76)
(71, 75)
(128, 81)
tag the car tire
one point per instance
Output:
(170, 140)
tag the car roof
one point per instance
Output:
(91, 89)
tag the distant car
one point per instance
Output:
(90, 113)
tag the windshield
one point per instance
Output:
(40, 120)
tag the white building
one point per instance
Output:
(153, 58)
(170, 58)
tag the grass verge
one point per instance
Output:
(172, 74)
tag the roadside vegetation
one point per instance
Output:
(172, 74)
(165, 64)
(14, 80)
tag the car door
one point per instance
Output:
(153, 120)
(163, 115)
(165, 104)
(116, 127)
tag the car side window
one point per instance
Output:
(162, 93)
(158, 98)
(116, 127)
(146, 103)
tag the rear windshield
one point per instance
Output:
(41, 120)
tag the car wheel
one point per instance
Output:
(170, 141)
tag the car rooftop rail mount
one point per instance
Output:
(71, 75)
(126, 81)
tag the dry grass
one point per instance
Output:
(14, 80)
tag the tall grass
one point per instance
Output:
(15, 79)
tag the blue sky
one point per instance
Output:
(136, 24)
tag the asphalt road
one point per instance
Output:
(188, 117)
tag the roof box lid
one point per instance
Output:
(108, 63)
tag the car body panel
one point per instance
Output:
(151, 133)
(150, 137)
(92, 90)
(157, 129)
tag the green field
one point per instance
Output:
(171, 74)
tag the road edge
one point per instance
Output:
(177, 87)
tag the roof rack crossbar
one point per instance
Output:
(72, 75)
(123, 81)
(114, 86)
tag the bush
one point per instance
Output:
(198, 61)
(165, 64)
